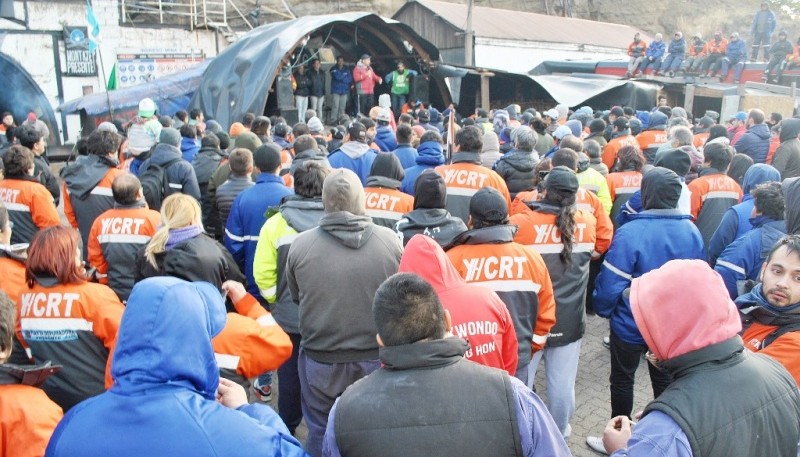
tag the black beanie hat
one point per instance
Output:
(267, 157)
(224, 140)
(387, 165)
(562, 179)
(430, 191)
(488, 205)
(676, 160)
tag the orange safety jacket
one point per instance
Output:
(488, 257)
(115, 239)
(251, 343)
(612, 148)
(30, 207)
(538, 229)
(73, 325)
(387, 206)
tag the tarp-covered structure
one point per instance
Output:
(239, 79)
(171, 93)
(598, 92)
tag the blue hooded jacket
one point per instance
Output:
(165, 381)
(430, 155)
(655, 50)
(742, 260)
(677, 47)
(755, 143)
(189, 148)
(772, 22)
(341, 79)
(651, 239)
(736, 220)
(407, 155)
(248, 214)
(736, 51)
(385, 139)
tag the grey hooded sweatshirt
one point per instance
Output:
(333, 271)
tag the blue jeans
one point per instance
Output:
(561, 363)
(321, 384)
(672, 62)
(646, 62)
(738, 67)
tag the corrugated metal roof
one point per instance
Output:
(517, 25)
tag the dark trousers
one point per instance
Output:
(594, 269)
(322, 383)
(760, 41)
(776, 63)
(365, 103)
(289, 397)
(397, 103)
(712, 62)
(624, 362)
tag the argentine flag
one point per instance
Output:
(94, 27)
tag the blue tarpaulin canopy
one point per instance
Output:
(171, 93)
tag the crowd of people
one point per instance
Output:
(439, 261)
(717, 56)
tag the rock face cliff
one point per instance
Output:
(649, 15)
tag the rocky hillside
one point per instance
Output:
(649, 15)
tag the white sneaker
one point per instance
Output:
(595, 443)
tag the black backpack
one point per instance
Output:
(155, 183)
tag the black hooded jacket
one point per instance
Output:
(429, 216)
(661, 189)
(791, 192)
(787, 157)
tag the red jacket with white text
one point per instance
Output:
(477, 312)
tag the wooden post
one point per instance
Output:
(485, 104)
(688, 102)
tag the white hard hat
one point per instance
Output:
(147, 108)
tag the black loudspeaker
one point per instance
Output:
(419, 90)
(285, 92)
(290, 114)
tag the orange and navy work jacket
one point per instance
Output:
(784, 349)
(463, 178)
(489, 257)
(114, 243)
(712, 194)
(584, 200)
(622, 185)
(30, 207)
(74, 325)
(386, 205)
(538, 230)
(612, 148)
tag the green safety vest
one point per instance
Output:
(400, 83)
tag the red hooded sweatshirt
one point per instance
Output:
(478, 314)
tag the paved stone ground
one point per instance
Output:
(591, 389)
(592, 398)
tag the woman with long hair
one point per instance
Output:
(565, 237)
(66, 319)
(626, 179)
(180, 248)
